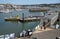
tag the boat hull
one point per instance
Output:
(12, 19)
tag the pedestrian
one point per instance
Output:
(44, 27)
(29, 33)
(41, 27)
(57, 38)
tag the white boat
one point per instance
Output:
(5, 11)
(1, 36)
(23, 33)
(12, 36)
(7, 36)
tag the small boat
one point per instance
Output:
(7, 36)
(22, 34)
(16, 18)
(5, 11)
(1, 36)
(12, 36)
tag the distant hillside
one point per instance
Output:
(13, 6)
(33, 4)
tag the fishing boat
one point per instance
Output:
(11, 18)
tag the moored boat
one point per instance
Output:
(16, 18)
(1, 36)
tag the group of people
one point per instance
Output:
(43, 26)
(27, 33)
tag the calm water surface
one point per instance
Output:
(15, 27)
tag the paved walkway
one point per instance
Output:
(49, 33)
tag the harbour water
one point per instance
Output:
(15, 26)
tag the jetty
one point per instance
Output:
(29, 19)
(23, 20)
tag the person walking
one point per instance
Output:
(41, 27)
(44, 25)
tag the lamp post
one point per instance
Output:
(23, 17)
(23, 24)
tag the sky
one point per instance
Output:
(28, 2)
